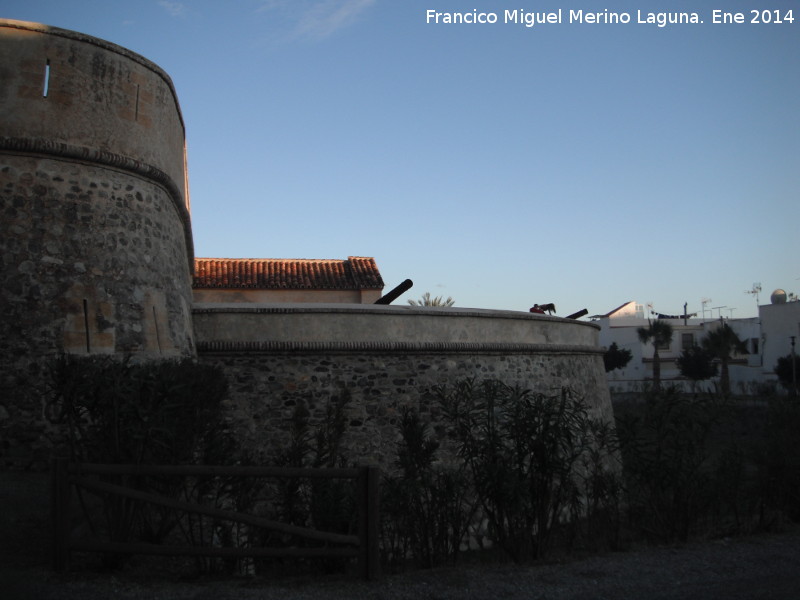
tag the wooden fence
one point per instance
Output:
(363, 546)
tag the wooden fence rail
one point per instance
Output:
(364, 546)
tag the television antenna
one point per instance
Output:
(719, 309)
(705, 301)
(754, 291)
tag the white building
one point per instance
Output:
(766, 337)
(780, 327)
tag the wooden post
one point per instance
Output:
(369, 522)
(374, 527)
(60, 494)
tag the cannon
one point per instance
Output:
(395, 293)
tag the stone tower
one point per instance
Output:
(95, 236)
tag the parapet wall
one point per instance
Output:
(243, 325)
(384, 358)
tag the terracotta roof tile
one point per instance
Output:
(355, 273)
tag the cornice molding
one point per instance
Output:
(221, 347)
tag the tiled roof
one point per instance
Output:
(355, 273)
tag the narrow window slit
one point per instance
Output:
(46, 87)
(86, 324)
(136, 113)
(158, 337)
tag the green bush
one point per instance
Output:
(597, 519)
(788, 371)
(777, 457)
(616, 358)
(152, 413)
(696, 363)
(323, 504)
(525, 454)
(426, 508)
(120, 412)
(674, 474)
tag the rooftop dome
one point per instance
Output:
(778, 297)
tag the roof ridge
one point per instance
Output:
(357, 273)
(342, 260)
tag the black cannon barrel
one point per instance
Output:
(395, 293)
(579, 314)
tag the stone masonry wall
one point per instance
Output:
(266, 387)
(93, 261)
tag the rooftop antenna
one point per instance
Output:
(705, 301)
(730, 316)
(718, 309)
(755, 291)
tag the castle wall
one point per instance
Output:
(95, 240)
(384, 358)
(96, 257)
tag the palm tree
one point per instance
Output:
(661, 334)
(426, 300)
(723, 343)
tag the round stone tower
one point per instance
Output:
(95, 236)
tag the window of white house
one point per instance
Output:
(687, 341)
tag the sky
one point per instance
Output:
(581, 164)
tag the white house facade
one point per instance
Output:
(766, 337)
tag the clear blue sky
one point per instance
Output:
(585, 165)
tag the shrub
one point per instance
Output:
(323, 504)
(697, 364)
(667, 460)
(427, 508)
(598, 518)
(166, 412)
(118, 412)
(332, 501)
(778, 460)
(786, 371)
(524, 452)
(614, 358)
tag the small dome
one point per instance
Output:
(778, 297)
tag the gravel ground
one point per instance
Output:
(761, 566)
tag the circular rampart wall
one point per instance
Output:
(384, 358)
(95, 237)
